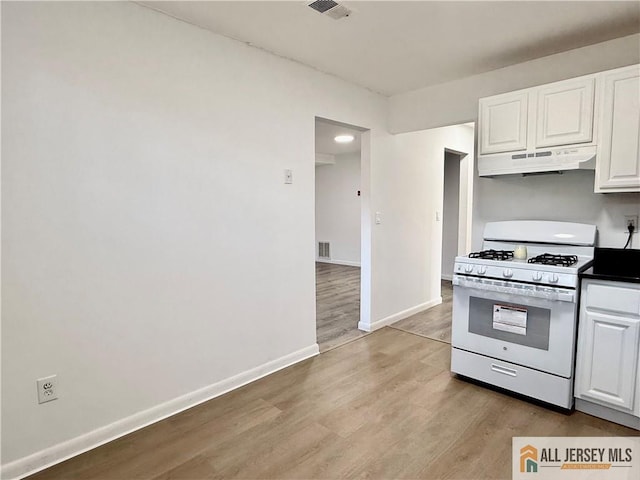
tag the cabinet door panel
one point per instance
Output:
(607, 360)
(565, 113)
(618, 150)
(503, 123)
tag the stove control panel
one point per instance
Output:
(527, 273)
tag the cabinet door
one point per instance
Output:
(565, 113)
(607, 362)
(618, 158)
(503, 123)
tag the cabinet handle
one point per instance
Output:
(504, 370)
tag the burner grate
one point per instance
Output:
(558, 260)
(492, 254)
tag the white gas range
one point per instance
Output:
(515, 319)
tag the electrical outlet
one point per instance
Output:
(631, 220)
(47, 388)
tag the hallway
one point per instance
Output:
(434, 323)
(337, 304)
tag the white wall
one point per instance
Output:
(450, 213)
(338, 208)
(150, 246)
(456, 102)
(569, 197)
(408, 243)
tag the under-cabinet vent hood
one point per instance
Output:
(554, 159)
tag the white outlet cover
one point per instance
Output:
(630, 218)
(47, 388)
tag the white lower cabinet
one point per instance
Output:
(608, 355)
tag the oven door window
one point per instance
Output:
(510, 322)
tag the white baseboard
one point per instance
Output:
(609, 414)
(347, 263)
(70, 448)
(447, 277)
(396, 317)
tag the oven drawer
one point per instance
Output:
(533, 383)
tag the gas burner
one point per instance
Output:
(559, 260)
(492, 254)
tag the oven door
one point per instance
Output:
(535, 329)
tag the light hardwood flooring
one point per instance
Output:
(337, 304)
(383, 406)
(434, 323)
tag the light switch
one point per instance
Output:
(437, 216)
(378, 218)
(288, 176)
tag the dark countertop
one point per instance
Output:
(615, 264)
(589, 273)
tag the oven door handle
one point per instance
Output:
(545, 293)
(504, 370)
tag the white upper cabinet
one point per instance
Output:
(618, 157)
(503, 121)
(565, 113)
(559, 113)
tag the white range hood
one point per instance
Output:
(548, 160)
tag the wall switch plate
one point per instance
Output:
(47, 388)
(288, 176)
(631, 219)
(378, 218)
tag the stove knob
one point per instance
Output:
(468, 268)
(553, 278)
(507, 273)
(482, 270)
(537, 276)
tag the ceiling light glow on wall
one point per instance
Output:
(344, 138)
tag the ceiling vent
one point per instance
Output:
(330, 8)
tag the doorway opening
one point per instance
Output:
(457, 187)
(338, 231)
(450, 213)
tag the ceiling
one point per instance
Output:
(326, 132)
(392, 47)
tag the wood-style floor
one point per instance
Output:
(383, 406)
(337, 304)
(434, 323)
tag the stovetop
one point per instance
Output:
(516, 270)
(581, 263)
(556, 253)
(542, 259)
